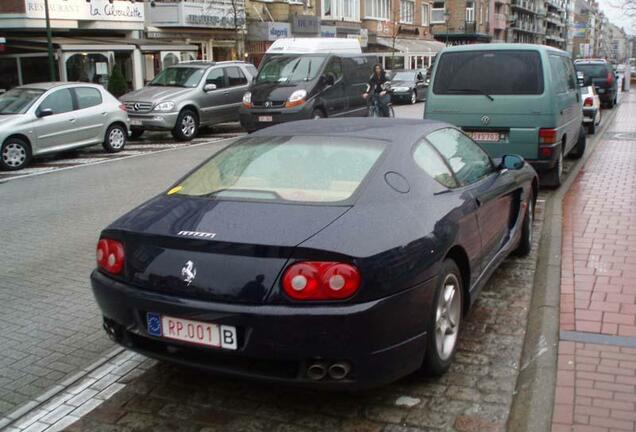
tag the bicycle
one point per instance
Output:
(374, 107)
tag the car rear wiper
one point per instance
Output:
(471, 90)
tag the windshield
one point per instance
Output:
(18, 100)
(298, 169)
(503, 72)
(404, 76)
(290, 68)
(178, 77)
(592, 70)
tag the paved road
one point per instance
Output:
(49, 324)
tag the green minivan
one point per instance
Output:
(512, 98)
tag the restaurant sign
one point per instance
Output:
(87, 10)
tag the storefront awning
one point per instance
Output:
(101, 44)
(411, 46)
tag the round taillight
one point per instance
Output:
(110, 255)
(320, 280)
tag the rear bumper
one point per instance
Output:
(589, 115)
(278, 342)
(542, 165)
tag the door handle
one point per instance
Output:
(226, 93)
(104, 113)
(72, 120)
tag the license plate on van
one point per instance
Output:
(265, 119)
(485, 136)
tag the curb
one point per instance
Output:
(533, 401)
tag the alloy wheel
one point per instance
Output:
(188, 125)
(413, 97)
(448, 314)
(14, 155)
(116, 138)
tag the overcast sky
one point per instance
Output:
(616, 15)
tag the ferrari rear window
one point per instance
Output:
(298, 169)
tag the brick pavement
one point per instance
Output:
(597, 360)
(50, 326)
(474, 396)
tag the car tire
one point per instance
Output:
(187, 125)
(579, 149)
(115, 138)
(591, 129)
(445, 321)
(525, 242)
(413, 98)
(610, 103)
(15, 154)
(136, 132)
(554, 176)
(317, 114)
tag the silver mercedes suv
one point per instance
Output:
(189, 95)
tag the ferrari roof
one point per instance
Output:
(387, 129)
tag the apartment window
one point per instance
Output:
(426, 14)
(470, 11)
(437, 13)
(377, 9)
(348, 10)
(407, 11)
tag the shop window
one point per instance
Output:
(426, 14)
(216, 77)
(407, 11)
(60, 101)
(348, 10)
(235, 76)
(87, 97)
(88, 68)
(377, 9)
(8, 73)
(437, 13)
(36, 69)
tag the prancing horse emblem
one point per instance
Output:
(188, 272)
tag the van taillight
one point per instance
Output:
(610, 78)
(547, 136)
(588, 101)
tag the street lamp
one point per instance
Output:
(446, 18)
(49, 41)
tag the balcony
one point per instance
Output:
(500, 21)
(524, 5)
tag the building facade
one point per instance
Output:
(457, 22)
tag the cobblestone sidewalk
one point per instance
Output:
(596, 379)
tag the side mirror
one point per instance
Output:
(512, 162)
(44, 112)
(209, 87)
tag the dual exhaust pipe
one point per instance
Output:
(336, 371)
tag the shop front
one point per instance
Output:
(90, 37)
(216, 27)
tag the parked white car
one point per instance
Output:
(45, 118)
(591, 108)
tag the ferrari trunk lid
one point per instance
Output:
(213, 250)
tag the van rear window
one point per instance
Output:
(505, 72)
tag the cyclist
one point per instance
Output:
(378, 88)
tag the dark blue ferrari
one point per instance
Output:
(337, 253)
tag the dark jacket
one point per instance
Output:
(375, 84)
